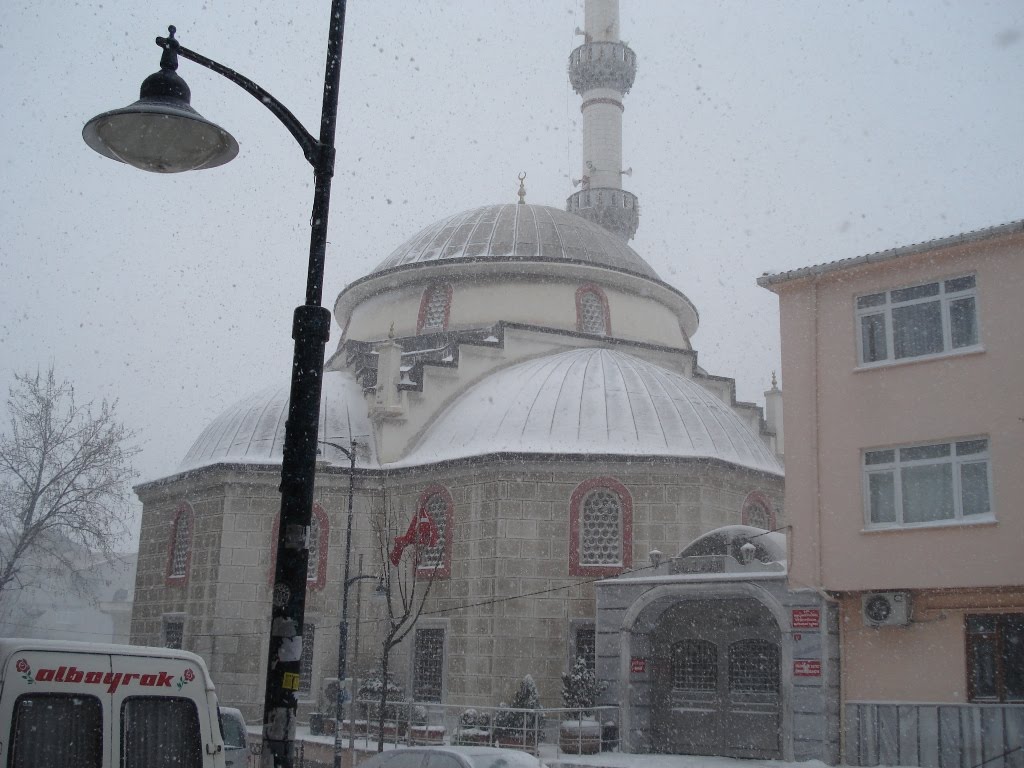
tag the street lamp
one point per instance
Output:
(163, 134)
(350, 454)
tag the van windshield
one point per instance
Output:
(58, 730)
(160, 732)
(231, 729)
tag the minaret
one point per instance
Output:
(602, 72)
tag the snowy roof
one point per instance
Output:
(767, 280)
(518, 233)
(770, 546)
(252, 430)
(591, 401)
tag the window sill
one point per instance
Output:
(980, 520)
(963, 352)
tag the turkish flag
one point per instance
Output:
(421, 531)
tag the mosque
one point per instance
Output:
(524, 376)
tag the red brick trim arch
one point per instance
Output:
(444, 570)
(428, 295)
(754, 500)
(575, 511)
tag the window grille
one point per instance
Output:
(601, 529)
(160, 732)
(313, 549)
(756, 515)
(592, 319)
(437, 508)
(174, 632)
(586, 646)
(61, 729)
(754, 667)
(428, 665)
(435, 310)
(695, 665)
(182, 541)
(306, 660)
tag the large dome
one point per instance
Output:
(518, 233)
(252, 430)
(595, 402)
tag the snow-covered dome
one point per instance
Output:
(769, 546)
(596, 402)
(252, 430)
(517, 232)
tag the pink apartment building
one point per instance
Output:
(903, 378)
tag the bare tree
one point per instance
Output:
(65, 471)
(410, 566)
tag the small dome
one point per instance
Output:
(518, 233)
(769, 546)
(595, 402)
(252, 430)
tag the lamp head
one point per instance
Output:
(161, 132)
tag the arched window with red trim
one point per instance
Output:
(757, 511)
(600, 528)
(436, 561)
(592, 315)
(179, 546)
(317, 545)
(435, 308)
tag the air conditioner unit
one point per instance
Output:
(885, 609)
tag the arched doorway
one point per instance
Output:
(718, 686)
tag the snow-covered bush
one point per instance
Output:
(514, 726)
(580, 687)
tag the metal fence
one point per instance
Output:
(572, 731)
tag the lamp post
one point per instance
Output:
(347, 582)
(163, 134)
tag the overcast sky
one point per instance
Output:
(763, 136)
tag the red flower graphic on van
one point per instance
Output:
(26, 671)
(187, 677)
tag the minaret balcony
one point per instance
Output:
(616, 210)
(602, 65)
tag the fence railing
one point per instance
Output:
(574, 731)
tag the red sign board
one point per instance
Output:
(806, 618)
(637, 665)
(806, 667)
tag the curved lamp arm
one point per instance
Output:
(311, 148)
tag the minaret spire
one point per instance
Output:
(602, 71)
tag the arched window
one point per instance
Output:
(757, 511)
(435, 307)
(436, 562)
(317, 544)
(600, 528)
(179, 546)
(592, 314)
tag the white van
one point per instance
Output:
(87, 705)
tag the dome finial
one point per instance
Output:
(775, 382)
(522, 188)
(391, 331)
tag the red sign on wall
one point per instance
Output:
(806, 618)
(806, 667)
(637, 665)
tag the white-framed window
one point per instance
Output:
(927, 484)
(918, 321)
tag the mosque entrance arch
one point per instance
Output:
(718, 690)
